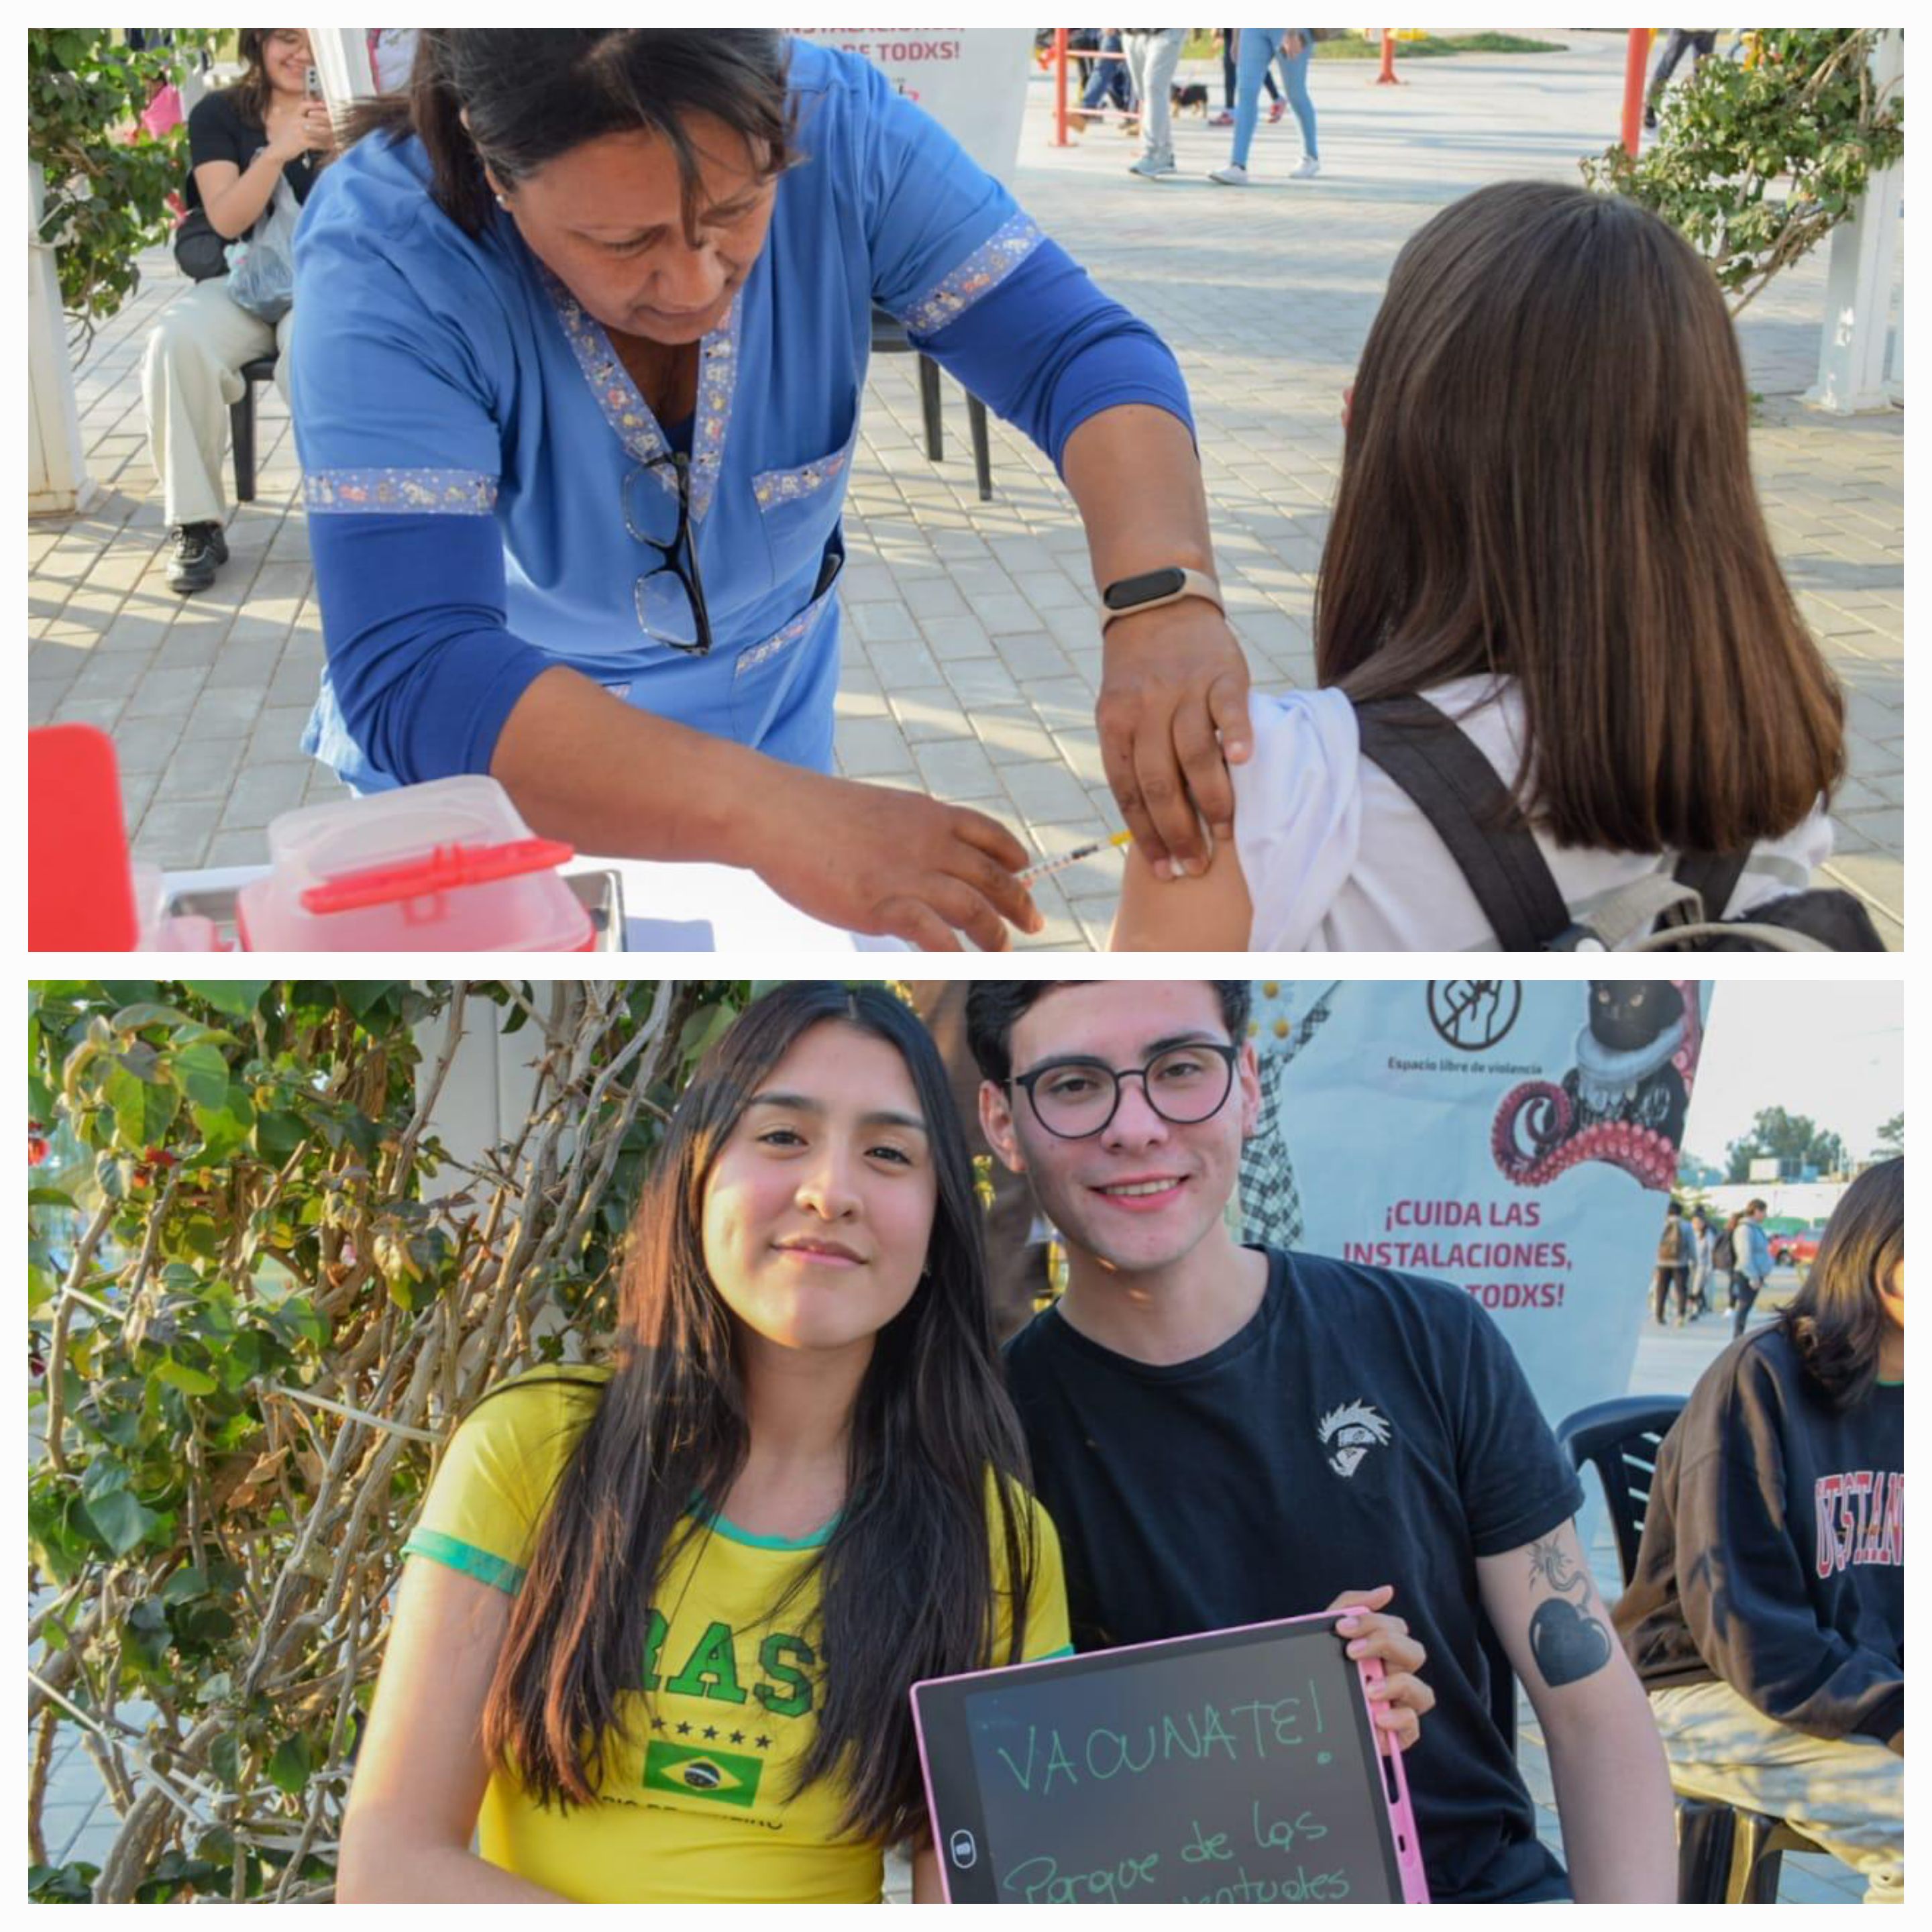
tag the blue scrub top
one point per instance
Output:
(476, 456)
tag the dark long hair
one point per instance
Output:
(1835, 1321)
(250, 96)
(1546, 476)
(908, 1582)
(532, 94)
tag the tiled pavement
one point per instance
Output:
(971, 656)
(80, 1823)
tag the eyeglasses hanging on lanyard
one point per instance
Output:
(670, 598)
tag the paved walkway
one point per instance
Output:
(972, 659)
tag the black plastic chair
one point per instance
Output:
(1726, 1855)
(890, 338)
(241, 424)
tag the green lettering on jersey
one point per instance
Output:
(654, 1637)
(791, 1695)
(712, 1670)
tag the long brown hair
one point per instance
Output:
(532, 94)
(250, 96)
(1546, 477)
(1836, 1321)
(906, 1578)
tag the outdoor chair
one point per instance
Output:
(890, 338)
(241, 425)
(1726, 1855)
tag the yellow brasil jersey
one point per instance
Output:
(697, 1801)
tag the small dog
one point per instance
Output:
(1190, 97)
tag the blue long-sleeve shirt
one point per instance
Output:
(476, 457)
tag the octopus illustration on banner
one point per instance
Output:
(1623, 1101)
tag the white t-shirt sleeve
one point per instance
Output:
(1297, 811)
(1784, 864)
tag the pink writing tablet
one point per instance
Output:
(1236, 1767)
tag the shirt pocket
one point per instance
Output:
(799, 507)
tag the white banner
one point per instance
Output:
(1516, 1138)
(972, 81)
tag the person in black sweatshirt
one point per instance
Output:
(1767, 1616)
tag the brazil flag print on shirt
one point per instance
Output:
(698, 1799)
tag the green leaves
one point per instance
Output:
(120, 1520)
(273, 1268)
(239, 997)
(142, 1105)
(201, 1072)
(1756, 159)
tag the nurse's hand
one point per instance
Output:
(875, 860)
(1173, 716)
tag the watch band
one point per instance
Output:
(1153, 588)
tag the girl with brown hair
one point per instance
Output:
(656, 1637)
(1546, 529)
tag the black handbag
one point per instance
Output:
(200, 253)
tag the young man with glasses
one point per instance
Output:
(1224, 1435)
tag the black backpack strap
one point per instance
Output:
(1713, 876)
(1456, 788)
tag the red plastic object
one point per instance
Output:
(446, 868)
(80, 892)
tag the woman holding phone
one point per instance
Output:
(269, 130)
(652, 1605)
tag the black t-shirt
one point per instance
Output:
(217, 132)
(1365, 1427)
(1773, 1547)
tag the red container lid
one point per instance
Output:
(445, 867)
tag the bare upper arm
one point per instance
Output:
(1545, 1608)
(1212, 913)
(421, 1771)
(213, 179)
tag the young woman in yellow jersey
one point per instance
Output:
(658, 1641)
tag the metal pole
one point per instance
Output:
(1637, 58)
(1386, 78)
(1059, 86)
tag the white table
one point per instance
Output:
(667, 908)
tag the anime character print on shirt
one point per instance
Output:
(1624, 1100)
(1349, 1432)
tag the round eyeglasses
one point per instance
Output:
(1073, 1099)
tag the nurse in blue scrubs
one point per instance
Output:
(586, 317)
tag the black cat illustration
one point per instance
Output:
(1623, 1101)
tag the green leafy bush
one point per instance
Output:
(1755, 164)
(106, 194)
(261, 1290)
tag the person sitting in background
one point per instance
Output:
(1767, 1616)
(265, 132)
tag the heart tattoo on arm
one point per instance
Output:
(1567, 1642)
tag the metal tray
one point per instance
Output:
(600, 893)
